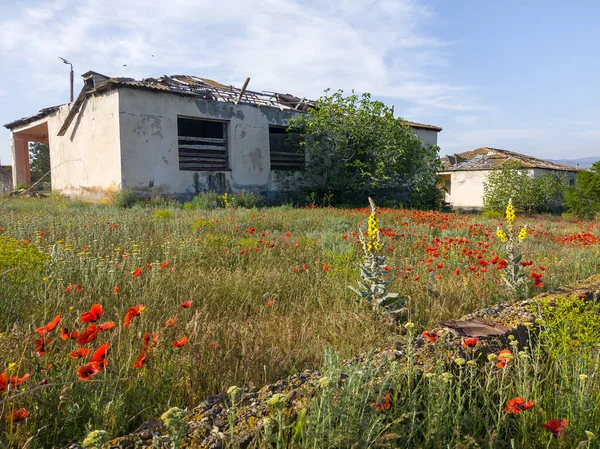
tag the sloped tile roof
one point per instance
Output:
(486, 158)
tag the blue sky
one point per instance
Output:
(516, 75)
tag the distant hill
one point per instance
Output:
(584, 162)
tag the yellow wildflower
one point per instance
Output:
(522, 234)
(510, 213)
(501, 235)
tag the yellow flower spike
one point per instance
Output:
(510, 213)
(501, 235)
(522, 234)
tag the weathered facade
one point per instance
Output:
(465, 174)
(177, 135)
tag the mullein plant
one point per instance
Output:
(375, 273)
(512, 239)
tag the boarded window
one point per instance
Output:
(285, 150)
(202, 144)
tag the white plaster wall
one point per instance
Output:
(466, 188)
(149, 153)
(86, 159)
(427, 136)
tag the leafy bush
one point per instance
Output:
(249, 200)
(492, 214)
(542, 194)
(162, 214)
(355, 147)
(206, 200)
(583, 200)
(20, 262)
(126, 198)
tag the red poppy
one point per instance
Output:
(89, 335)
(440, 265)
(49, 327)
(99, 355)
(179, 343)
(456, 272)
(106, 326)
(149, 340)
(502, 264)
(186, 304)
(164, 265)
(270, 303)
(431, 336)
(556, 426)
(88, 371)
(116, 290)
(93, 315)
(17, 415)
(133, 311)
(79, 352)
(140, 360)
(470, 342)
(472, 267)
(494, 259)
(137, 272)
(40, 345)
(504, 356)
(326, 267)
(517, 405)
(170, 322)
(383, 404)
(64, 334)
(14, 381)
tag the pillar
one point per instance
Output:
(20, 160)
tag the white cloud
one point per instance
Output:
(298, 47)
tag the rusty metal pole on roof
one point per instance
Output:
(243, 90)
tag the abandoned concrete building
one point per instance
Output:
(464, 174)
(175, 134)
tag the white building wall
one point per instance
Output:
(149, 144)
(86, 159)
(466, 187)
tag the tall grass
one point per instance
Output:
(268, 289)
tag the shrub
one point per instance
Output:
(355, 147)
(162, 214)
(542, 194)
(249, 200)
(583, 200)
(492, 214)
(207, 200)
(126, 198)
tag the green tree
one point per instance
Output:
(542, 194)
(355, 147)
(583, 200)
(39, 160)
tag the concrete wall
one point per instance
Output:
(86, 160)
(466, 187)
(149, 145)
(427, 136)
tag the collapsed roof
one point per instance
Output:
(486, 158)
(187, 85)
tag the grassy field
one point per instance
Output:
(258, 295)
